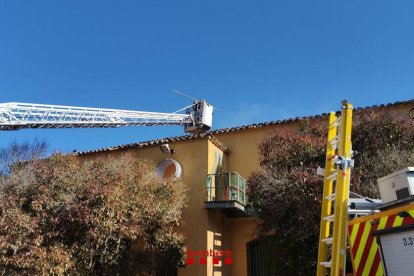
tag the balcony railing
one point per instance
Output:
(226, 187)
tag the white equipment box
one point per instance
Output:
(397, 186)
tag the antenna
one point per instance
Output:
(182, 94)
(219, 110)
(194, 99)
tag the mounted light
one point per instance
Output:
(165, 148)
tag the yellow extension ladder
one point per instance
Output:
(332, 241)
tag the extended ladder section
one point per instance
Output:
(334, 214)
(14, 116)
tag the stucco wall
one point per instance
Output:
(193, 157)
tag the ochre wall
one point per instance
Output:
(243, 156)
(242, 230)
(217, 232)
(194, 159)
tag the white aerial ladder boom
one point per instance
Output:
(15, 116)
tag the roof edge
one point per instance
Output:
(210, 134)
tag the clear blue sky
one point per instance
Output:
(256, 60)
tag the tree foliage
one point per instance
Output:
(286, 192)
(101, 217)
(384, 143)
(17, 152)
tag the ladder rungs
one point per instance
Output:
(334, 141)
(330, 197)
(332, 176)
(327, 240)
(320, 171)
(329, 218)
(326, 264)
(336, 122)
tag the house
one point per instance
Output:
(214, 166)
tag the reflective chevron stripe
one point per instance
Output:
(365, 249)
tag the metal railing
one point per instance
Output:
(226, 187)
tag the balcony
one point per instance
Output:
(226, 192)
